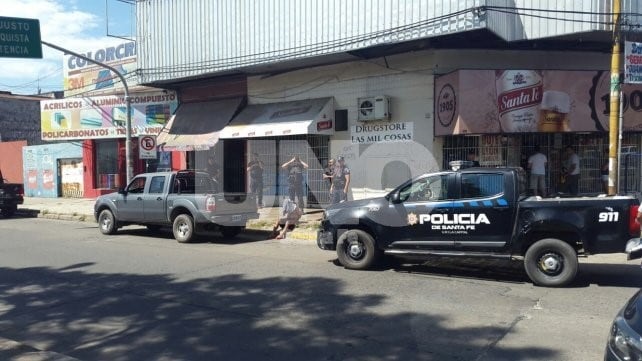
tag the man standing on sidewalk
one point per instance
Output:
(295, 168)
(537, 166)
(255, 168)
(340, 181)
(572, 167)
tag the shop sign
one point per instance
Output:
(530, 101)
(381, 133)
(81, 76)
(490, 151)
(632, 62)
(105, 117)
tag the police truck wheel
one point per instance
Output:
(551, 262)
(107, 222)
(357, 250)
(183, 228)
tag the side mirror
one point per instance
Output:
(395, 198)
(122, 191)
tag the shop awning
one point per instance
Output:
(196, 126)
(311, 116)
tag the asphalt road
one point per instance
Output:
(65, 288)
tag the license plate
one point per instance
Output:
(237, 217)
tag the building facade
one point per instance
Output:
(440, 70)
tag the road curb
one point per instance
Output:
(308, 233)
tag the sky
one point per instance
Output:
(77, 25)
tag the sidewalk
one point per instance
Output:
(82, 209)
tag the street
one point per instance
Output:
(68, 289)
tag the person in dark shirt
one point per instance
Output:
(340, 181)
(472, 157)
(295, 168)
(213, 168)
(255, 169)
(327, 171)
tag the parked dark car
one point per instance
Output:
(11, 195)
(625, 342)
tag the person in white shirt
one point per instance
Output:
(288, 219)
(572, 171)
(537, 166)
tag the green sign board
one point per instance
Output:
(20, 38)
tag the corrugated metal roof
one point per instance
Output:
(179, 39)
(183, 39)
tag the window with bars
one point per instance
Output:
(274, 152)
(515, 149)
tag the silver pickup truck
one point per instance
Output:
(188, 201)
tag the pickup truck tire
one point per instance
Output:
(551, 262)
(230, 231)
(107, 222)
(183, 228)
(8, 212)
(356, 250)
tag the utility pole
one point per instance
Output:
(614, 108)
(128, 102)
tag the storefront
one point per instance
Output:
(53, 170)
(501, 115)
(277, 132)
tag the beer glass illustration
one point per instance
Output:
(554, 112)
(519, 93)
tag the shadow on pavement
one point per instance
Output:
(601, 274)
(245, 236)
(99, 316)
(25, 213)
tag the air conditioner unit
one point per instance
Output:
(365, 109)
(382, 107)
(374, 108)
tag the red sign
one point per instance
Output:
(324, 124)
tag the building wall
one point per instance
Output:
(20, 119)
(11, 160)
(408, 79)
(41, 173)
(411, 102)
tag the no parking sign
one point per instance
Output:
(147, 147)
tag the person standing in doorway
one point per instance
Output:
(295, 168)
(340, 181)
(255, 168)
(213, 169)
(537, 166)
(472, 157)
(572, 170)
(604, 174)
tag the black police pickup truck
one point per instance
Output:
(480, 212)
